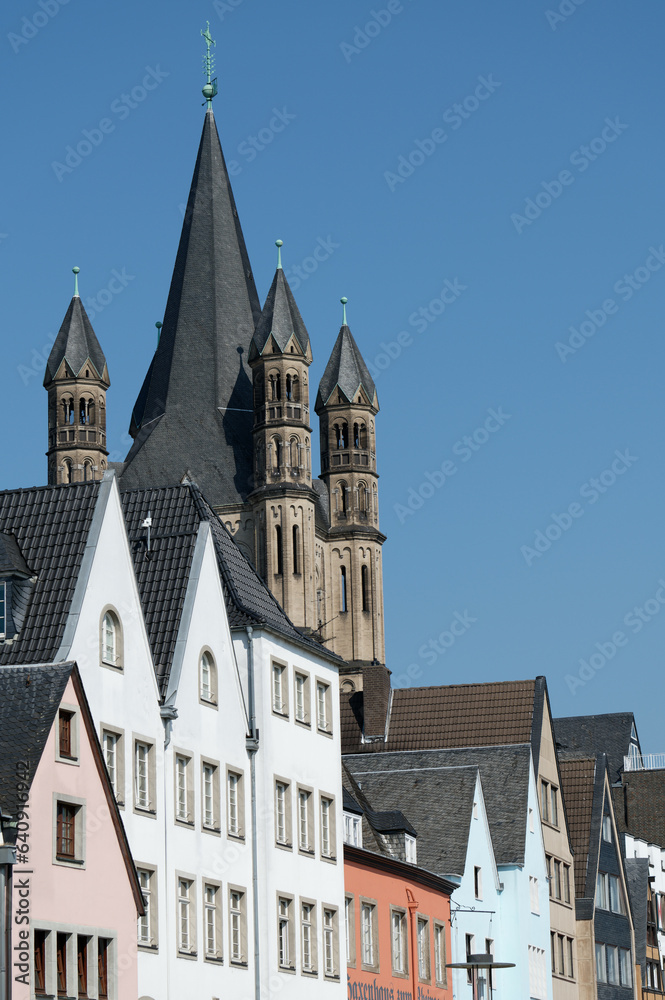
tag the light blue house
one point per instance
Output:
(478, 823)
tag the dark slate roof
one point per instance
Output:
(51, 525)
(177, 512)
(454, 715)
(76, 343)
(11, 557)
(582, 789)
(438, 802)
(504, 772)
(637, 882)
(349, 803)
(193, 414)
(346, 368)
(29, 700)
(280, 318)
(608, 734)
(322, 508)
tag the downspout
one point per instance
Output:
(169, 714)
(252, 744)
(7, 861)
(412, 904)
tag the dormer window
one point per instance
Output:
(410, 848)
(16, 583)
(353, 831)
(111, 639)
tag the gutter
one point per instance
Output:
(252, 745)
(7, 862)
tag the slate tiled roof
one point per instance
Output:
(346, 368)
(280, 318)
(51, 525)
(608, 734)
(504, 772)
(177, 512)
(455, 715)
(637, 882)
(76, 343)
(437, 802)
(11, 557)
(194, 412)
(29, 700)
(578, 781)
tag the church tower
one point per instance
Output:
(347, 405)
(283, 499)
(76, 380)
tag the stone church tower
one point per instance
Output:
(76, 380)
(226, 403)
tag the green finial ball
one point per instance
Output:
(208, 92)
(279, 243)
(76, 270)
(159, 325)
(344, 300)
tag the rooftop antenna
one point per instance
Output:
(75, 272)
(210, 89)
(148, 524)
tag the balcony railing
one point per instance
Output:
(645, 762)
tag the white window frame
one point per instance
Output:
(237, 925)
(350, 929)
(235, 803)
(399, 949)
(410, 849)
(114, 759)
(207, 684)
(147, 925)
(602, 891)
(330, 941)
(183, 787)
(353, 830)
(369, 944)
(111, 640)
(186, 914)
(286, 951)
(144, 774)
(301, 698)
(280, 689)
(625, 967)
(601, 963)
(305, 799)
(440, 954)
(423, 948)
(210, 796)
(327, 827)
(308, 937)
(282, 794)
(211, 896)
(323, 707)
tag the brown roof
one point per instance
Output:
(577, 785)
(455, 715)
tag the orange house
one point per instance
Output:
(397, 929)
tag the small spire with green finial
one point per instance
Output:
(75, 272)
(159, 330)
(210, 89)
(344, 300)
(279, 244)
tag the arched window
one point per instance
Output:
(66, 471)
(296, 548)
(88, 472)
(84, 411)
(294, 453)
(279, 458)
(295, 389)
(208, 679)
(343, 593)
(342, 497)
(362, 498)
(364, 580)
(260, 457)
(363, 436)
(344, 437)
(111, 639)
(356, 436)
(278, 550)
(289, 387)
(277, 383)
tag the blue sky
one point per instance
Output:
(485, 177)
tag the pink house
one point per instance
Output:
(76, 896)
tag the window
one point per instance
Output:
(489, 950)
(410, 848)
(478, 883)
(278, 542)
(616, 896)
(66, 831)
(3, 611)
(323, 707)
(111, 639)
(423, 948)
(308, 936)
(553, 950)
(544, 801)
(283, 813)
(327, 827)
(612, 964)
(210, 795)
(208, 679)
(625, 969)
(569, 956)
(144, 775)
(531, 826)
(61, 963)
(66, 736)
(103, 947)
(353, 831)
(364, 582)
(440, 972)
(113, 750)
(285, 932)
(607, 829)
(550, 879)
(469, 941)
(399, 942)
(147, 924)
(350, 930)
(39, 962)
(368, 932)
(82, 964)
(602, 891)
(566, 883)
(184, 792)
(601, 970)
(533, 889)
(186, 916)
(330, 943)
(305, 820)
(296, 548)
(343, 604)
(280, 703)
(301, 683)
(561, 960)
(549, 803)
(537, 973)
(212, 921)
(554, 807)
(235, 804)
(237, 926)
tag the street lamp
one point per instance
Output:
(476, 963)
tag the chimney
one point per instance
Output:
(376, 699)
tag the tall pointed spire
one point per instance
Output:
(346, 370)
(76, 343)
(194, 411)
(280, 318)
